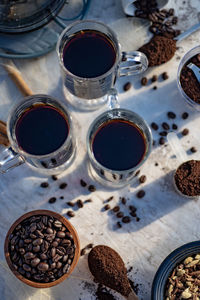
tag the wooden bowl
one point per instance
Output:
(68, 226)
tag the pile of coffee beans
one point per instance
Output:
(41, 248)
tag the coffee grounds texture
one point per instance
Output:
(188, 80)
(108, 268)
(159, 50)
(187, 178)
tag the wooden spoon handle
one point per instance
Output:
(132, 296)
(19, 81)
(3, 134)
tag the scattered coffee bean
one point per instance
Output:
(174, 127)
(127, 86)
(144, 81)
(133, 214)
(91, 188)
(140, 194)
(52, 200)
(155, 87)
(165, 76)
(107, 207)
(126, 219)
(88, 201)
(165, 126)
(123, 200)
(44, 184)
(119, 225)
(54, 177)
(70, 203)
(83, 183)
(185, 115)
(162, 141)
(142, 179)
(137, 219)
(83, 251)
(89, 246)
(80, 203)
(120, 214)
(154, 78)
(132, 208)
(185, 131)
(116, 208)
(109, 199)
(63, 185)
(171, 115)
(71, 214)
(156, 164)
(163, 133)
(154, 126)
(61, 197)
(193, 149)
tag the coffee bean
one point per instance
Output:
(83, 251)
(144, 81)
(57, 224)
(35, 262)
(52, 200)
(162, 141)
(171, 12)
(22, 251)
(43, 266)
(163, 133)
(119, 225)
(185, 132)
(185, 115)
(38, 242)
(36, 249)
(83, 183)
(174, 126)
(116, 208)
(123, 200)
(26, 268)
(142, 179)
(165, 126)
(126, 219)
(175, 20)
(120, 214)
(137, 219)
(132, 208)
(89, 246)
(133, 214)
(171, 115)
(44, 184)
(60, 234)
(88, 201)
(66, 268)
(155, 88)
(140, 194)
(107, 207)
(71, 204)
(165, 76)
(91, 188)
(54, 177)
(71, 214)
(61, 197)
(154, 126)
(29, 255)
(63, 185)
(127, 86)
(154, 78)
(79, 203)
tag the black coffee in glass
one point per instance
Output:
(89, 54)
(41, 129)
(119, 145)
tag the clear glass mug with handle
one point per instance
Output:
(91, 59)
(40, 133)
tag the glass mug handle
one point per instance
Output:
(9, 159)
(133, 63)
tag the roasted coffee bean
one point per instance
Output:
(185, 131)
(174, 127)
(39, 234)
(120, 214)
(107, 207)
(154, 78)
(83, 251)
(155, 88)
(144, 81)
(165, 126)
(21, 271)
(175, 20)
(126, 219)
(63, 185)
(57, 224)
(185, 115)
(140, 194)
(44, 184)
(42, 266)
(137, 219)
(154, 126)
(29, 255)
(22, 251)
(71, 204)
(133, 214)
(66, 243)
(165, 76)
(27, 241)
(89, 246)
(66, 268)
(80, 203)
(65, 258)
(38, 242)
(71, 214)
(137, 173)
(119, 225)
(88, 201)
(127, 86)
(58, 265)
(132, 208)
(14, 240)
(55, 244)
(49, 230)
(171, 12)
(26, 268)
(60, 234)
(36, 249)
(35, 262)
(171, 115)
(83, 183)
(163, 133)
(162, 141)
(52, 200)
(153, 29)
(142, 179)
(61, 197)
(193, 149)
(43, 256)
(116, 208)
(54, 177)
(53, 252)
(91, 188)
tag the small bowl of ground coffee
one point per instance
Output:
(188, 84)
(179, 274)
(42, 248)
(187, 179)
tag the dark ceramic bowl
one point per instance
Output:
(168, 265)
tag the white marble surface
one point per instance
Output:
(167, 220)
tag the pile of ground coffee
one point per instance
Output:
(108, 268)
(188, 80)
(159, 50)
(187, 178)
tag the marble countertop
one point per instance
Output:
(167, 220)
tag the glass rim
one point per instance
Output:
(39, 97)
(148, 145)
(117, 51)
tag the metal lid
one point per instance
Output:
(25, 15)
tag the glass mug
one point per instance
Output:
(91, 60)
(40, 132)
(118, 142)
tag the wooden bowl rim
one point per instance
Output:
(68, 225)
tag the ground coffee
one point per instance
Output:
(187, 178)
(159, 50)
(188, 80)
(108, 268)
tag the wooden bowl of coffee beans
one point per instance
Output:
(42, 248)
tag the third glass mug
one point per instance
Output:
(91, 59)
